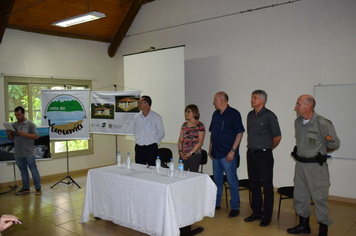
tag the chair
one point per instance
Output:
(243, 185)
(204, 159)
(165, 154)
(287, 192)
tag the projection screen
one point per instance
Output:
(160, 75)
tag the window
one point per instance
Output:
(26, 92)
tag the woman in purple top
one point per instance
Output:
(191, 139)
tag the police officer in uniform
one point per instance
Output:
(315, 137)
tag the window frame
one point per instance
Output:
(37, 81)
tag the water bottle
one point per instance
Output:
(181, 168)
(128, 161)
(118, 159)
(171, 168)
(158, 164)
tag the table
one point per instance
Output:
(154, 204)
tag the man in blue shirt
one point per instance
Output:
(226, 133)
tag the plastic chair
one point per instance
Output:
(243, 185)
(165, 154)
(288, 192)
(204, 159)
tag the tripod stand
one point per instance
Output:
(70, 180)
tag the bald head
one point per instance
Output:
(223, 95)
(308, 100)
(220, 101)
(305, 106)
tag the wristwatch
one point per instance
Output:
(233, 149)
(192, 153)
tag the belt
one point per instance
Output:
(257, 151)
(146, 145)
(319, 159)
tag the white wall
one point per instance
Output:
(285, 50)
(27, 54)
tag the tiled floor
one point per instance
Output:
(57, 212)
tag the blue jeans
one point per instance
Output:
(219, 167)
(22, 163)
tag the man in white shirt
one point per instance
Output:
(148, 131)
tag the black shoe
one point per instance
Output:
(302, 228)
(217, 207)
(265, 221)
(252, 217)
(233, 213)
(323, 230)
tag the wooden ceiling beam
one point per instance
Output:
(57, 33)
(5, 12)
(125, 26)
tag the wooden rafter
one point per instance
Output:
(124, 27)
(5, 11)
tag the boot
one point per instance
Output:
(302, 228)
(323, 229)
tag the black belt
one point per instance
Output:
(307, 160)
(147, 145)
(257, 151)
(320, 159)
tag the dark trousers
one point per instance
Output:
(192, 163)
(146, 154)
(260, 168)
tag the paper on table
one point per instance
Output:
(9, 125)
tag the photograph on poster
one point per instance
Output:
(102, 110)
(126, 104)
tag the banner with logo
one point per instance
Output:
(113, 112)
(66, 112)
(42, 150)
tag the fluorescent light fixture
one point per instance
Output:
(75, 20)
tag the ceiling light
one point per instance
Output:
(79, 19)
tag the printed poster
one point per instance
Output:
(113, 112)
(66, 112)
(42, 150)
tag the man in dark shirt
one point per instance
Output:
(226, 132)
(264, 135)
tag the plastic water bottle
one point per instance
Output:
(118, 159)
(128, 161)
(158, 164)
(171, 168)
(181, 168)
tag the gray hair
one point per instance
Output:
(223, 95)
(263, 94)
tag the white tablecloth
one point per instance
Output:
(150, 203)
